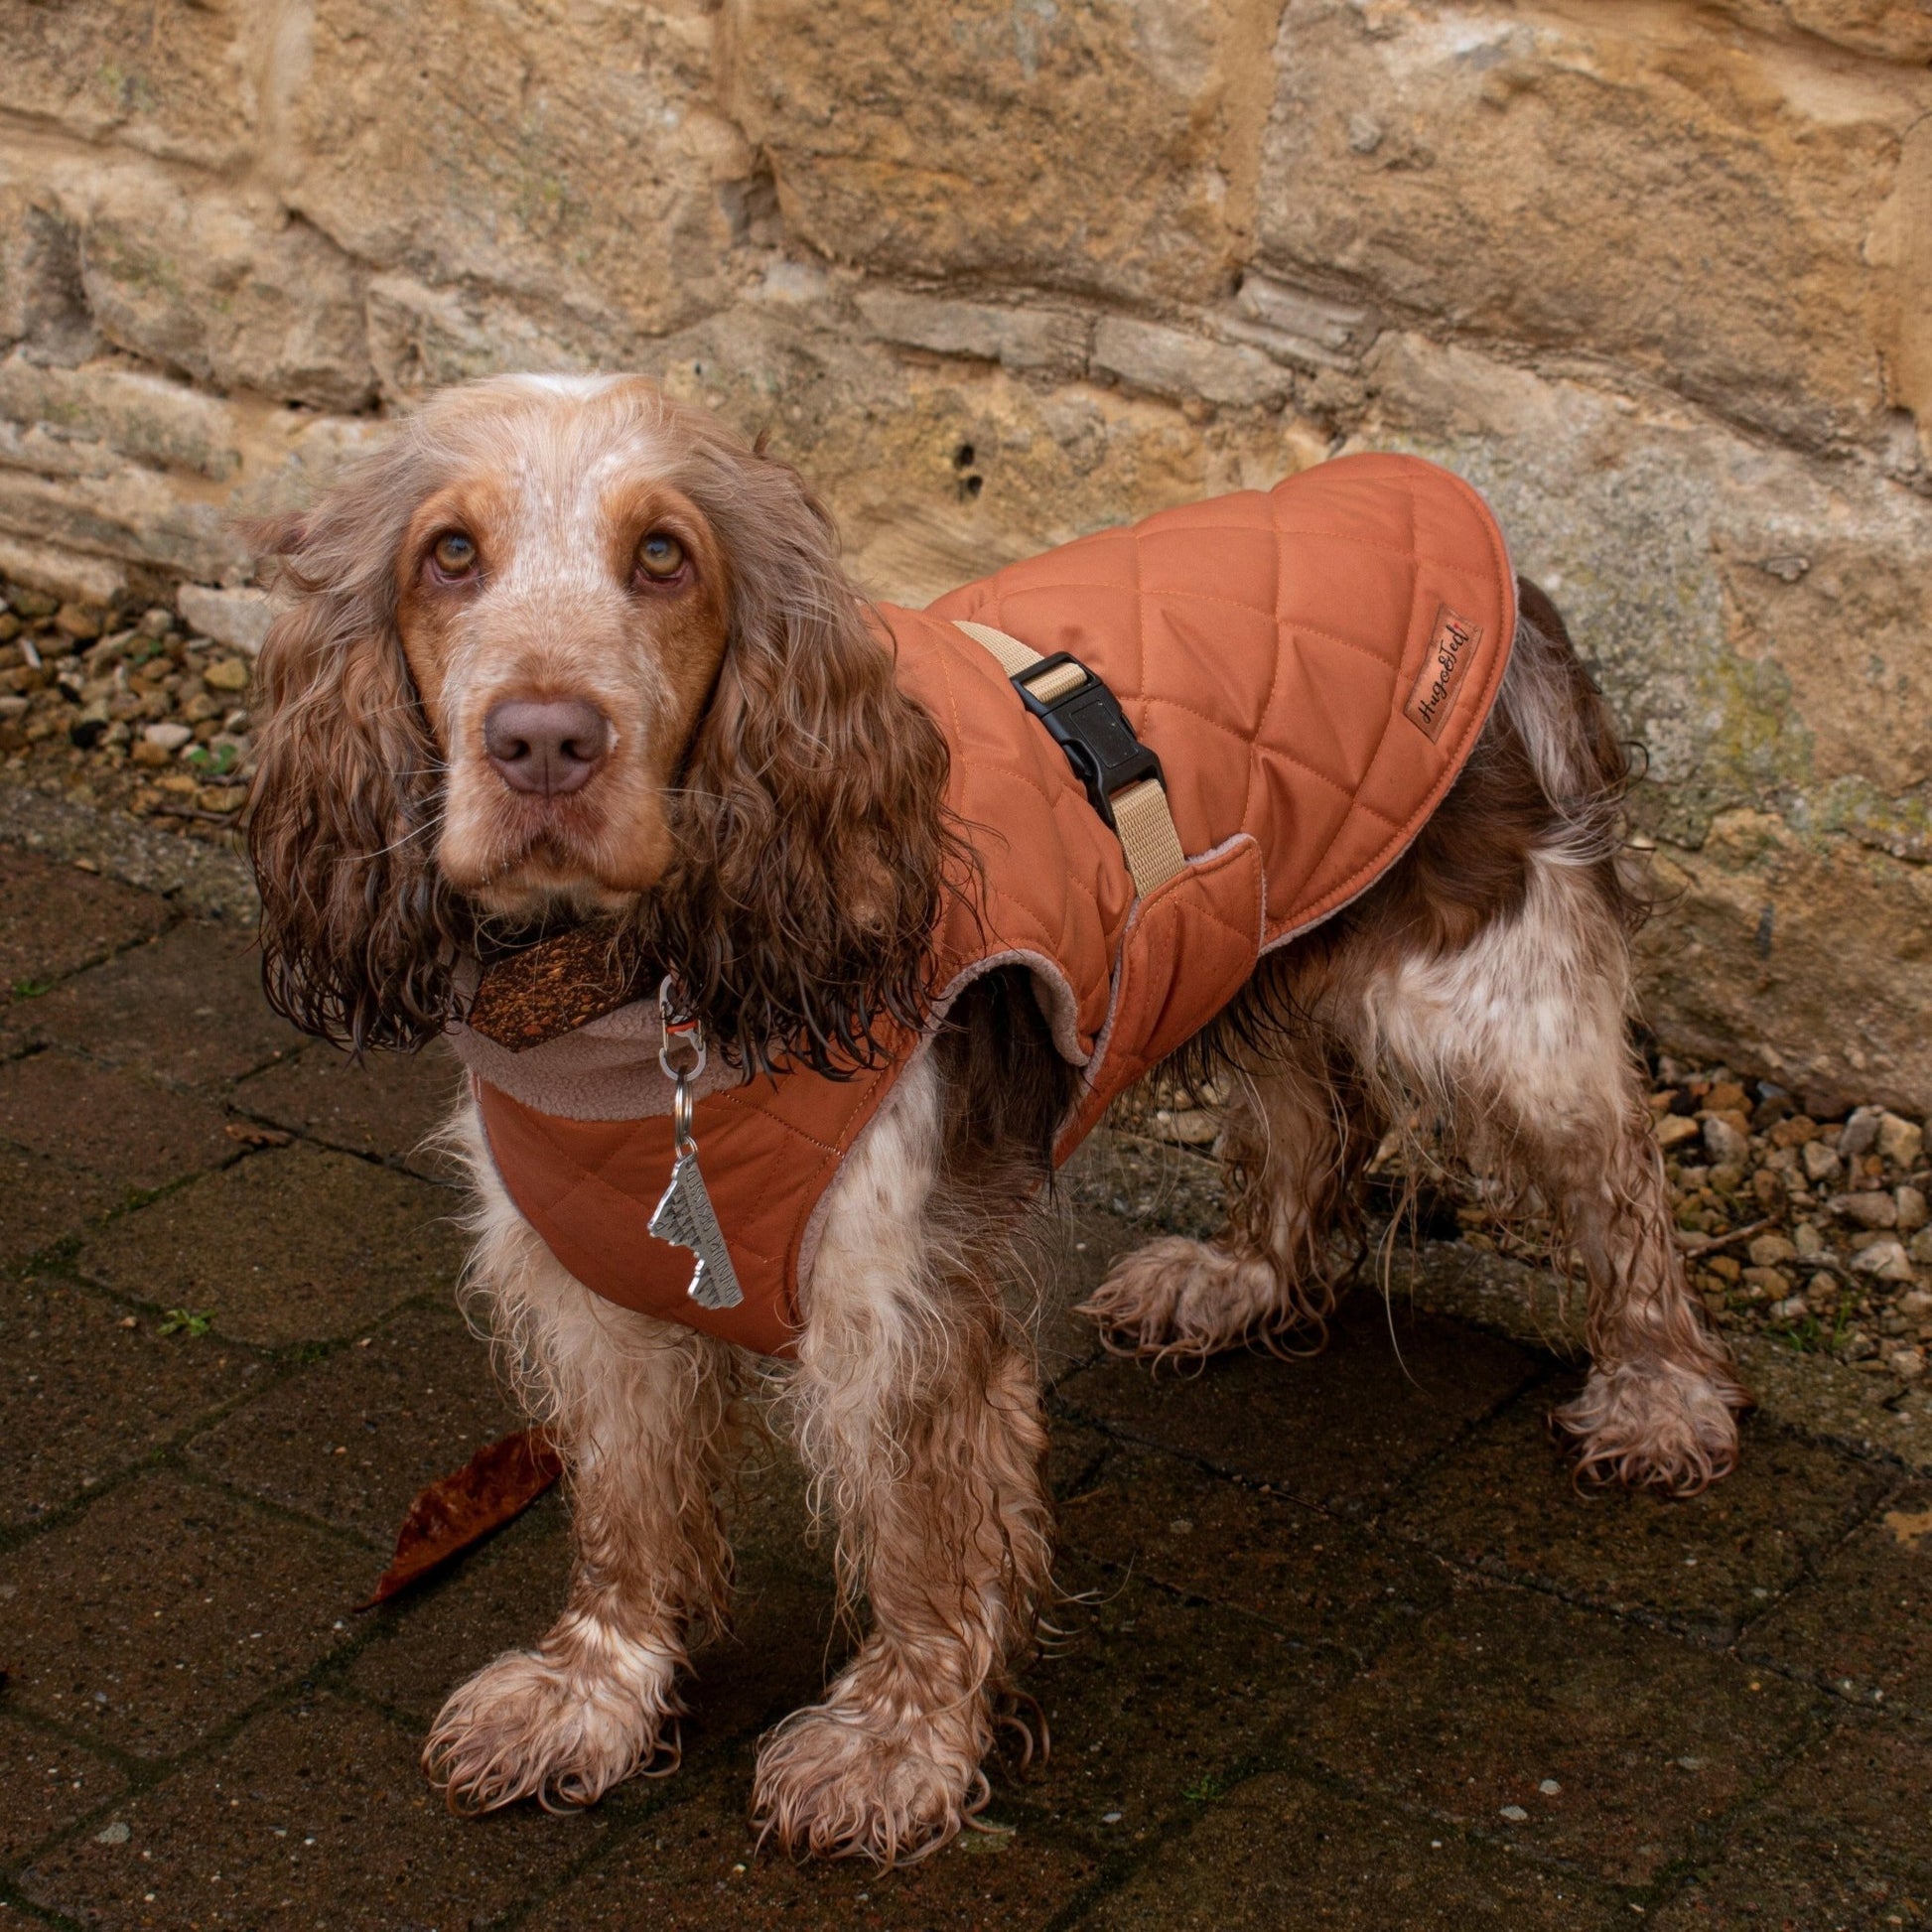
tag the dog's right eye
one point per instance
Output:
(454, 554)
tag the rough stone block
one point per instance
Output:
(1090, 148)
(238, 618)
(201, 283)
(165, 86)
(142, 416)
(422, 337)
(574, 170)
(1176, 362)
(61, 572)
(1022, 339)
(1797, 955)
(1656, 189)
(287, 1247)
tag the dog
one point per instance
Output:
(567, 656)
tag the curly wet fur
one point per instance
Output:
(1481, 988)
(809, 841)
(1475, 1000)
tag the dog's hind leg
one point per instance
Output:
(642, 1412)
(1520, 1040)
(1297, 1130)
(919, 1420)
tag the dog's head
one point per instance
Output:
(565, 649)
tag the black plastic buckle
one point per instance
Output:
(1090, 727)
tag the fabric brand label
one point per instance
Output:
(1451, 645)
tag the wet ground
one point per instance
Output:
(1342, 1645)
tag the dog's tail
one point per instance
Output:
(1553, 704)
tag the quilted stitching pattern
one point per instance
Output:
(1264, 644)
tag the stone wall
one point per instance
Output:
(1656, 275)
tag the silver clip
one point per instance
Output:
(684, 1215)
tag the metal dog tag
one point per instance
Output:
(685, 1217)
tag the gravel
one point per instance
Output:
(125, 708)
(1809, 1229)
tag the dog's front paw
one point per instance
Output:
(1177, 1298)
(1656, 1425)
(557, 1726)
(842, 1779)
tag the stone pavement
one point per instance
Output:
(1341, 1645)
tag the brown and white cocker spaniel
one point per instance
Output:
(566, 652)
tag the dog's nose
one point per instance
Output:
(547, 746)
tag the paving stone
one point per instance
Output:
(82, 1397)
(354, 1438)
(187, 1006)
(1863, 1626)
(165, 1608)
(312, 1816)
(1280, 1852)
(1342, 1430)
(386, 1104)
(55, 918)
(46, 1200)
(1149, 1697)
(1312, 1576)
(121, 1128)
(1651, 1739)
(1503, 1502)
(694, 1863)
(1845, 1837)
(294, 1245)
(46, 1782)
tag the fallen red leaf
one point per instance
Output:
(495, 1486)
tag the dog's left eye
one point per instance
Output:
(660, 555)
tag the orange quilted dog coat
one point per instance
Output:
(1312, 665)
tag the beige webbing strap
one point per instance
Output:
(1143, 820)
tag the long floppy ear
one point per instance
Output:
(357, 935)
(811, 831)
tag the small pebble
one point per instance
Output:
(1550, 1787)
(1514, 1812)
